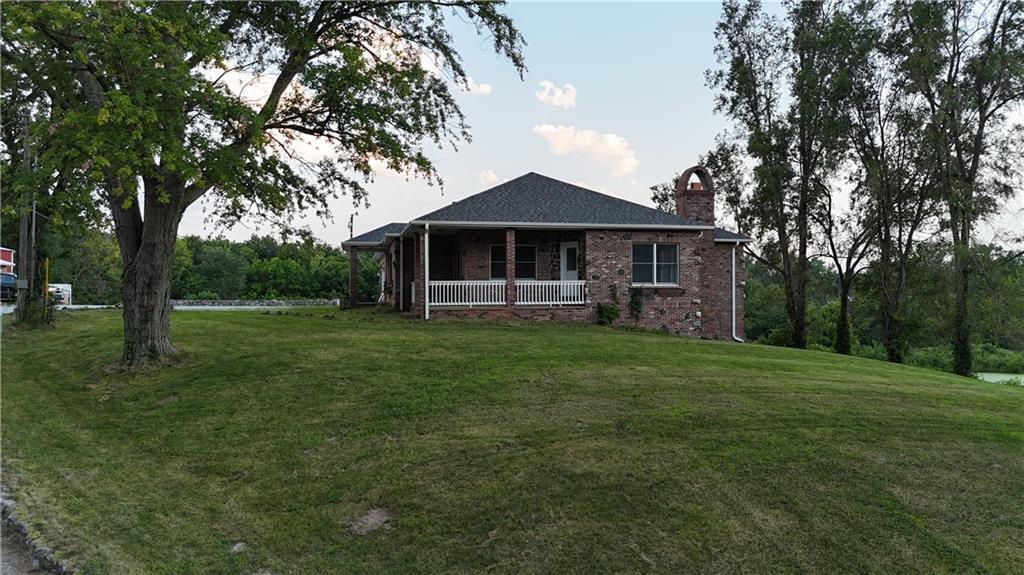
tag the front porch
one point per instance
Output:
(482, 293)
(484, 269)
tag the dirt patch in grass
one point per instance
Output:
(372, 520)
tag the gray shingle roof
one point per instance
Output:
(722, 235)
(537, 199)
(377, 236)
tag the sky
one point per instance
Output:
(614, 99)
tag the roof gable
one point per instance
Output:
(376, 237)
(536, 199)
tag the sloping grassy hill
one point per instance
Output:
(501, 448)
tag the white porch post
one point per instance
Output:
(426, 271)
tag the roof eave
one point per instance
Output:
(362, 244)
(561, 225)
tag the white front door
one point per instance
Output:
(569, 261)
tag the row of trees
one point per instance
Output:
(261, 267)
(860, 128)
(264, 268)
(996, 306)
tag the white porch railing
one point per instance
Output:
(467, 292)
(534, 292)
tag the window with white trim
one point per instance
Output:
(526, 262)
(655, 264)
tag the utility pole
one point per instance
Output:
(26, 235)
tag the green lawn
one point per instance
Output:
(501, 448)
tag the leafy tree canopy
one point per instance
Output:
(137, 91)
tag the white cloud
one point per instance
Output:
(552, 95)
(487, 177)
(476, 89)
(610, 149)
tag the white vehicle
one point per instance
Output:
(61, 293)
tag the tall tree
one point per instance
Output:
(794, 147)
(966, 59)
(140, 108)
(846, 236)
(887, 135)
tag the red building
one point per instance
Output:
(6, 260)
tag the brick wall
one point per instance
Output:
(578, 314)
(699, 306)
(698, 205)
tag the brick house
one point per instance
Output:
(538, 248)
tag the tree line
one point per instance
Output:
(262, 267)
(858, 130)
(996, 307)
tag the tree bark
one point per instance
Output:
(890, 290)
(26, 241)
(892, 332)
(843, 339)
(799, 323)
(147, 251)
(962, 359)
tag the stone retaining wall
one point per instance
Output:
(255, 302)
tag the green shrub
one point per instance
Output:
(607, 313)
(873, 351)
(36, 314)
(990, 357)
(636, 303)
(987, 357)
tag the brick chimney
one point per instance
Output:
(696, 201)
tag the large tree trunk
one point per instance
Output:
(146, 288)
(26, 265)
(147, 250)
(892, 331)
(890, 291)
(799, 322)
(843, 339)
(26, 242)
(796, 302)
(800, 293)
(962, 360)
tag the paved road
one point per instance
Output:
(14, 558)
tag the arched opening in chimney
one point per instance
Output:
(696, 200)
(704, 181)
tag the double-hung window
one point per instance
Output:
(526, 262)
(655, 264)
